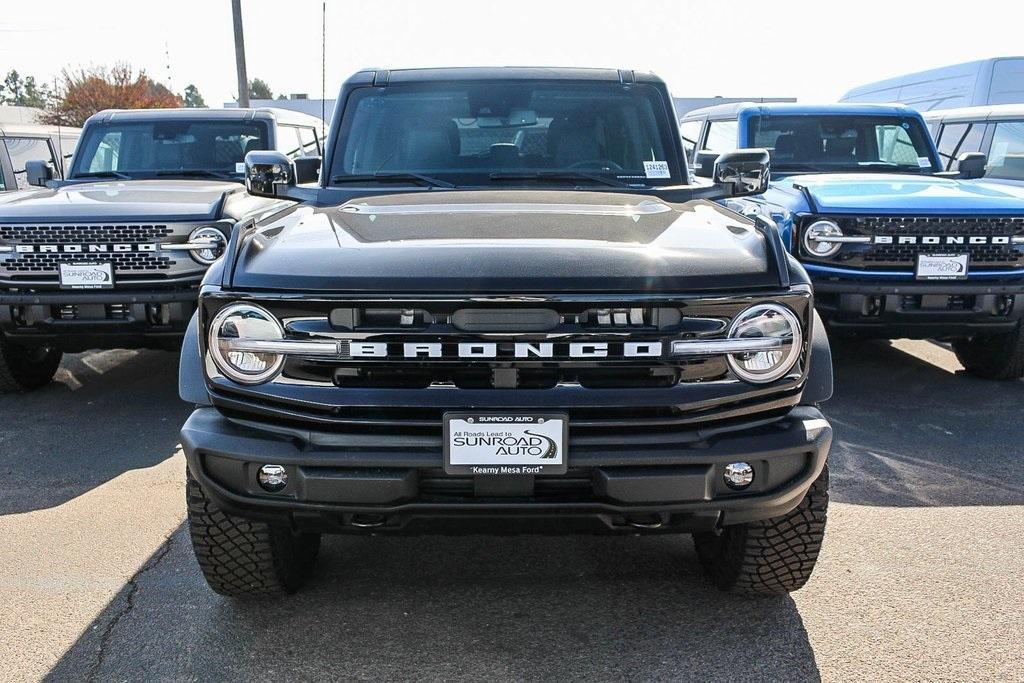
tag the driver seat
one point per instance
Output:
(572, 140)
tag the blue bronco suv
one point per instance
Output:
(895, 247)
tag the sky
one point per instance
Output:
(814, 51)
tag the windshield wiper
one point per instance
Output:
(568, 176)
(393, 178)
(197, 173)
(103, 174)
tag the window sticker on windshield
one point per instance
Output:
(656, 169)
(240, 167)
(924, 162)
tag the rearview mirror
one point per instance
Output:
(267, 171)
(745, 170)
(38, 173)
(971, 165)
(704, 164)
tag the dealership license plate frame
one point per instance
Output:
(933, 260)
(513, 466)
(70, 275)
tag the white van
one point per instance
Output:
(999, 80)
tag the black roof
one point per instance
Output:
(489, 73)
(196, 113)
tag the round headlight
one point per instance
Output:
(216, 239)
(820, 229)
(766, 321)
(236, 324)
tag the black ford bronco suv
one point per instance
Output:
(113, 256)
(505, 299)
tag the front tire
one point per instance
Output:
(995, 356)
(239, 557)
(24, 368)
(769, 557)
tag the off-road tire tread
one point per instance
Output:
(240, 557)
(769, 557)
(18, 374)
(997, 356)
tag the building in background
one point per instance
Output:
(10, 113)
(999, 80)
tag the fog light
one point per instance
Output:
(272, 478)
(738, 475)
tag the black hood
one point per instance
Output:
(182, 200)
(509, 241)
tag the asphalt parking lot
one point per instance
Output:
(919, 579)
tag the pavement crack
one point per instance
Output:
(128, 604)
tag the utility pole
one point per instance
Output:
(243, 79)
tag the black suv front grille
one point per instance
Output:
(78, 234)
(39, 265)
(987, 255)
(49, 263)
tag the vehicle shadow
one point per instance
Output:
(566, 608)
(911, 431)
(106, 412)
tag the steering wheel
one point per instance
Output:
(596, 164)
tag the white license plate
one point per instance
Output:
(942, 266)
(505, 443)
(86, 275)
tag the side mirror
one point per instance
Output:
(971, 165)
(266, 171)
(38, 173)
(307, 169)
(746, 170)
(704, 164)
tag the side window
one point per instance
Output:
(721, 136)
(690, 132)
(970, 143)
(895, 145)
(310, 146)
(22, 150)
(1006, 159)
(107, 153)
(948, 142)
(288, 141)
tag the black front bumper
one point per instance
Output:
(919, 310)
(78, 320)
(351, 482)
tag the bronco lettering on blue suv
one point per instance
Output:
(505, 300)
(113, 256)
(895, 246)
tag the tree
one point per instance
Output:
(23, 92)
(259, 90)
(192, 97)
(84, 92)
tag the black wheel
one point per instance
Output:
(24, 368)
(241, 557)
(769, 557)
(995, 356)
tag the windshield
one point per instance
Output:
(507, 132)
(843, 143)
(148, 149)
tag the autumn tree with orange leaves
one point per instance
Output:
(84, 92)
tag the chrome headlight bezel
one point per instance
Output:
(203, 233)
(789, 355)
(271, 330)
(821, 228)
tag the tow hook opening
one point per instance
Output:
(367, 521)
(646, 522)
